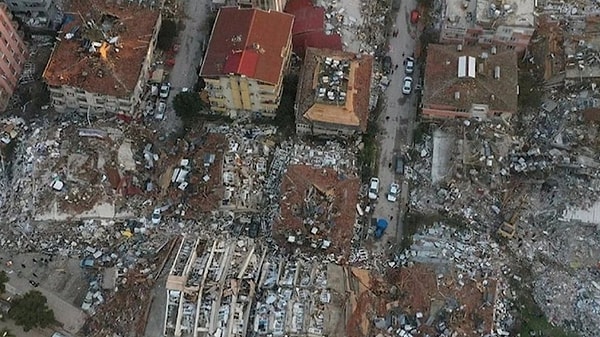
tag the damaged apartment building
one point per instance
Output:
(101, 62)
(245, 63)
(503, 24)
(470, 81)
(333, 93)
(36, 13)
(13, 55)
(211, 287)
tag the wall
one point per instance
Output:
(34, 8)
(13, 55)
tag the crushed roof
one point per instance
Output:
(354, 111)
(119, 37)
(253, 45)
(320, 196)
(441, 81)
(309, 27)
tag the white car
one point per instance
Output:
(409, 65)
(156, 216)
(373, 188)
(160, 111)
(393, 193)
(165, 89)
(407, 85)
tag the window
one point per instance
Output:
(70, 94)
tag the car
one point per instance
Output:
(185, 89)
(373, 188)
(393, 193)
(34, 283)
(386, 64)
(160, 110)
(399, 165)
(165, 89)
(156, 216)
(415, 16)
(407, 85)
(409, 65)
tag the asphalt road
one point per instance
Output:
(188, 58)
(396, 123)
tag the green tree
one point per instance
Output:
(187, 106)
(166, 35)
(3, 280)
(31, 311)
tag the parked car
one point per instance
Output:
(160, 110)
(409, 65)
(407, 85)
(415, 16)
(399, 165)
(373, 188)
(156, 216)
(386, 64)
(393, 193)
(165, 89)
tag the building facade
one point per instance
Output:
(333, 94)
(469, 82)
(273, 5)
(13, 55)
(102, 80)
(509, 25)
(245, 63)
(35, 12)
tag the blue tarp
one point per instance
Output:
(382, 224)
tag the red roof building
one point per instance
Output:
(309, 28)
(247, 56)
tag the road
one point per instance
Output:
(396, 123)
(188, 58)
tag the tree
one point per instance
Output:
(31, 311)
(3, 280)
(166, 35)
(187, 106)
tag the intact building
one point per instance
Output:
(102, 65)
(13, 55)
(333, 93)
(35, 12)
(469, 82)
(503, 24)
(245, 62)
(273, 5)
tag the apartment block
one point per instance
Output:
(333, 93)
(102, 65)
(13, 54)
(470, 82)
(501, 24)
(245, 63)
(35, 12)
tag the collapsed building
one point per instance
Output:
(314, 208)
(333, 93)
(470, 81)
(102, 59)
(245, 63)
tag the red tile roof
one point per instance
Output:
(238, 31)
(309, 28)
(117, 75)
(243, 63)
(441, 81)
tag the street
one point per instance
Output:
(188, 58)
(396, 124)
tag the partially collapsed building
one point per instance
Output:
(245, 62)
(101, 62)
(503, 24)
(333, 93)
(470, 82)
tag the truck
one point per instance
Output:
(382, 224)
